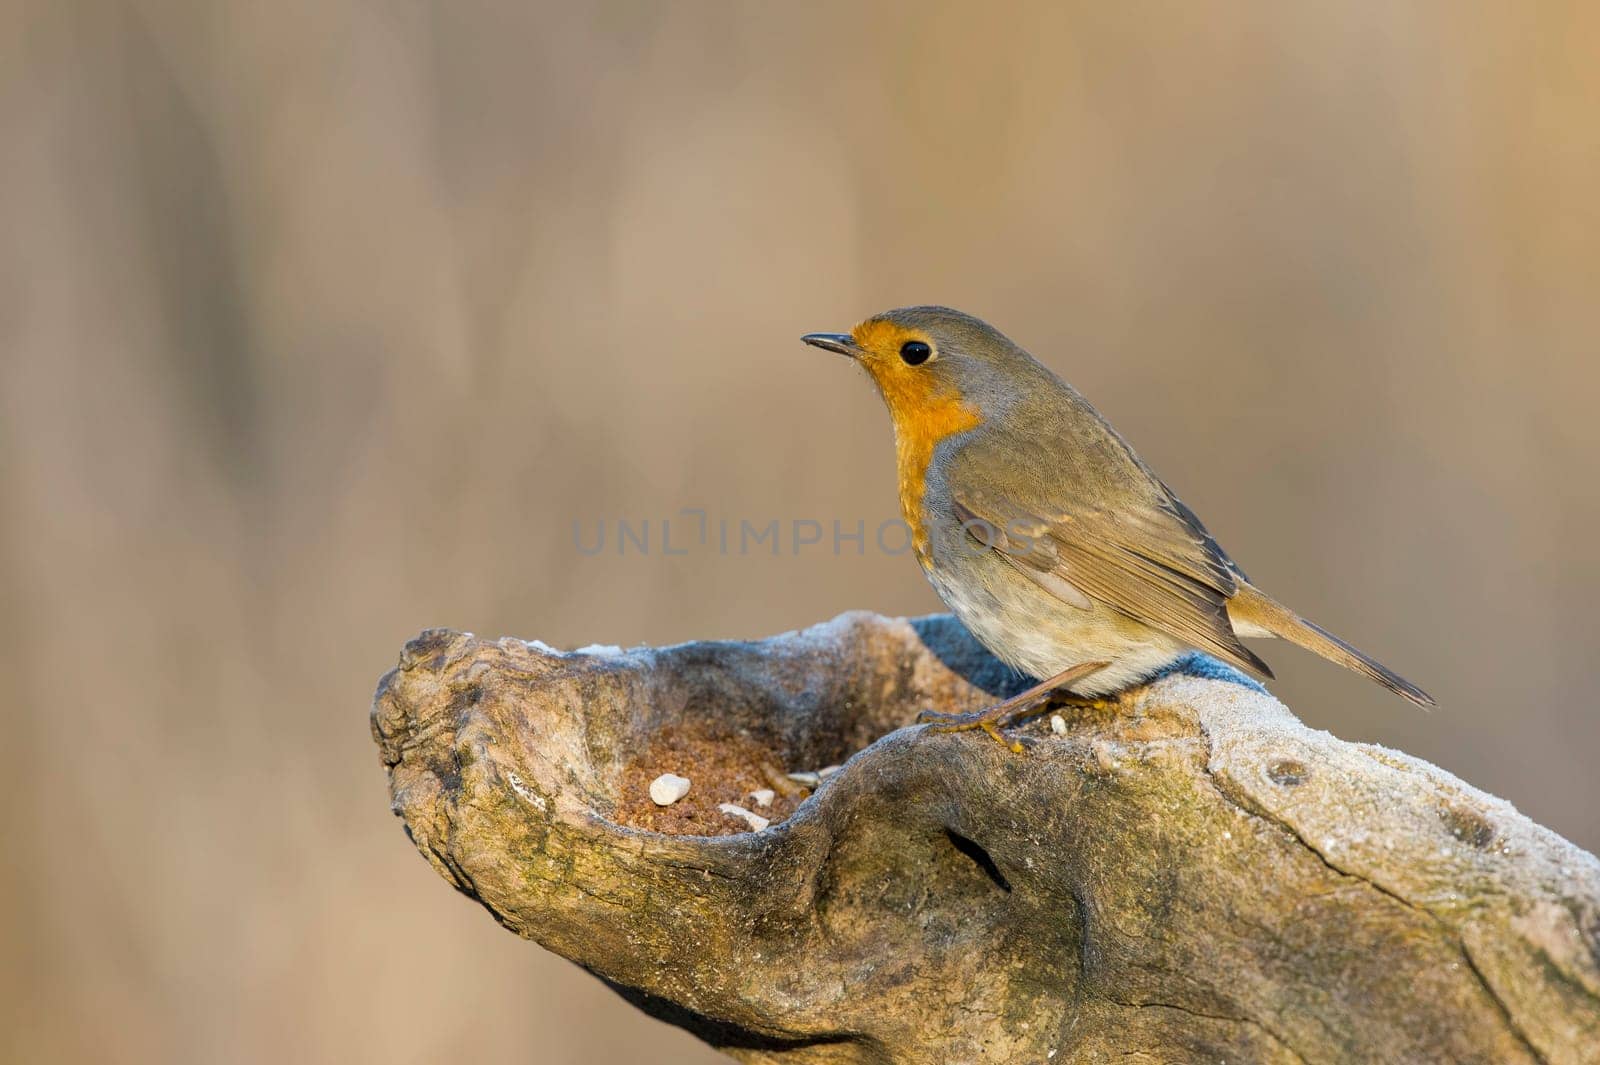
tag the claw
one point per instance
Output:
(990, 719)
(1016, 709)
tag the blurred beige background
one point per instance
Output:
(323, 320)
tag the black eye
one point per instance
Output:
(915, 352)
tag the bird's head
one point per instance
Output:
(933, 364)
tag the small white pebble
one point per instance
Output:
(1058, 724)
(827, 771)
(754, 820)
(763, 796)
(668, 788)
(810, 780)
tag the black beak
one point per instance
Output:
(843, 343)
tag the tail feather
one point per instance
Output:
(1256, 609)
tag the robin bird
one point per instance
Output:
(1051, 540)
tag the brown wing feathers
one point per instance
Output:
(1167, 573)
(1148, 588)
(1161, 573)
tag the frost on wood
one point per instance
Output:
(1197, 876)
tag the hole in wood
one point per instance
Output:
(980, 858)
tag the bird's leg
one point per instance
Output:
(1015, 709)
(1081, 702)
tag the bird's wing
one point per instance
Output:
(1154, 563)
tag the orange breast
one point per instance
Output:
(925, 410)
(917, 431)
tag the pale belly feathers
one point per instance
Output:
(1040, 635)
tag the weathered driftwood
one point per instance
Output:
(1196, 877)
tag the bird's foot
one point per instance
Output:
(1079, 702)
(1014, 710)
(1001, 716)
(991, 720)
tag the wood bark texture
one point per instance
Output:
(1192, 876)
